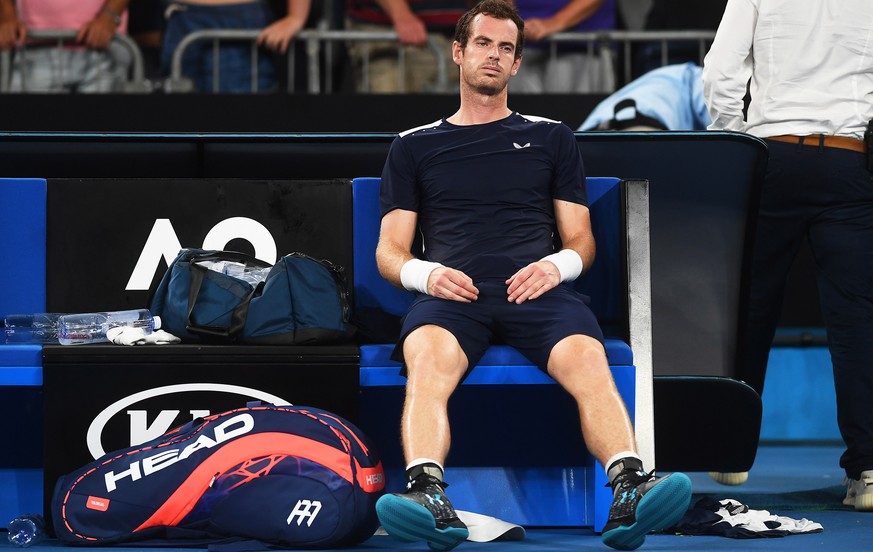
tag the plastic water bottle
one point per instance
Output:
(41, 327)
(27, 530)
(78, 329)
(252, 275)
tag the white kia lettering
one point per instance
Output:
(139, 427)
(141, 431)
(305, 509)
(163, 243)
(233, 427)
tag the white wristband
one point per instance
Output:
(414, 274)
(569, 264)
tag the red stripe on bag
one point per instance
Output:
(183, 500)
(352, 433)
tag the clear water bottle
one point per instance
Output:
(78, 329)
(27, 530)
(41, 327)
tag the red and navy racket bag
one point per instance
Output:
(286, 476)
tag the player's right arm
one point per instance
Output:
(397, 264)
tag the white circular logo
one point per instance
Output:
(95, 430)
(246, 228)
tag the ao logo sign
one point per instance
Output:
(141, 431)
(163, 243)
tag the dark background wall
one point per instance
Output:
(259, 113)
(284, 113)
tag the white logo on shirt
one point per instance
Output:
(517, 146)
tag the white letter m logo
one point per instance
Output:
(305, 509)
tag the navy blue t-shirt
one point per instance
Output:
(484, 193)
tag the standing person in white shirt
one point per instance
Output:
(811, 69)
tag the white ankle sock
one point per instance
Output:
(428, 470)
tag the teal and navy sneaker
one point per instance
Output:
(644, 503)
(422, 513)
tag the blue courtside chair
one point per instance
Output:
(517, 451)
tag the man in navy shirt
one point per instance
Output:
(488, 188)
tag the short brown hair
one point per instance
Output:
(498, 9)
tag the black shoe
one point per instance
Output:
(644, 503)
(422, 513)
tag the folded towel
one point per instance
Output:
(124, 335)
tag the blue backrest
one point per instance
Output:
(22, 255)
(604, 283)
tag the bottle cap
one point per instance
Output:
(157, 322)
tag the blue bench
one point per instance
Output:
(22, 290)
(553, 483)
(543, 477)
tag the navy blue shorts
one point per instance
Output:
(533, 327)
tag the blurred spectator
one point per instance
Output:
(145, 25)
(677, 15)
(668, 98)
(235, 57)
(573, 69)
(43, 67)
(414, 21)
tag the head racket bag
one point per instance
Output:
(285, 476)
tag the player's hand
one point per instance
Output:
(451, 284)
(532, 281)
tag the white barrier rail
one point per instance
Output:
(312, 39)
(320, 54)
(66, 38)
(605, 44)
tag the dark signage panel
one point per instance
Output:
(110, 240)
(103, 398)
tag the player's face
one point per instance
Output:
(488, 60)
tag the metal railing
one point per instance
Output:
(607, 42)
(312, 39)
(319, 44)
(136, 82)
(665, 39)
(320, 55)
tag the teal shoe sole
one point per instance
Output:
(409, 521)
(660, 508)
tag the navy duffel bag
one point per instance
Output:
(301, 301)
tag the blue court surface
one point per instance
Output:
(792, 481)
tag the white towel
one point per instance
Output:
(489, 529)
(125, 335)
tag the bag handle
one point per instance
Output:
(240, 312)
(228, 256)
